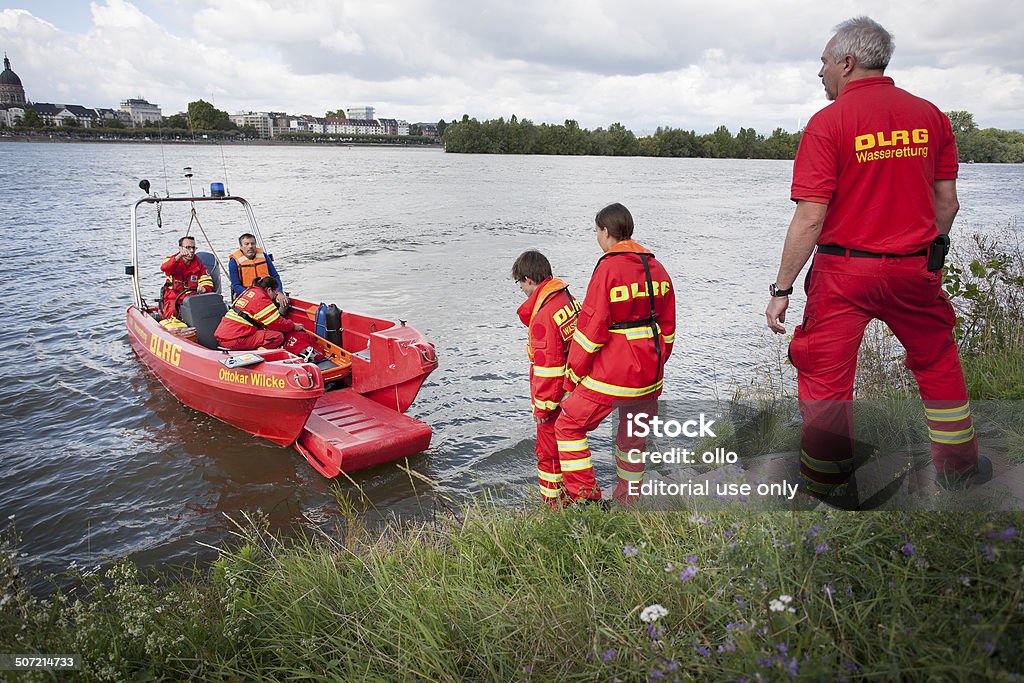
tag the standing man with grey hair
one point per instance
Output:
(874, 183)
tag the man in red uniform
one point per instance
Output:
(550, 314)
(875, 185)
(186, 275)
(254, 321)
(617, 358)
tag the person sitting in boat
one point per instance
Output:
(186, 275)
(248, 263)
(253, 321)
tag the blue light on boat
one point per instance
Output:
(216, 189)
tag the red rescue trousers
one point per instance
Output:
(580, 415)
(268, 339)
(549, 473)
(843, 295)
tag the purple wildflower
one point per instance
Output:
(741, 603)
(728, 534)
(1007, 534)
(699, 519)
(782, 648)
(965, 580)
(828, 590)
(691, 559)
(764, 662)
(703, 650)
(908, 550)
(528, 669)
(987, 646)
(989, 553)
(655, 632)
(813, 531)
(820, 548)
(630, 551)
(609, 654)
(729, 645)
(850, 666)
(656, 674)
(792, 667)
(688, 573)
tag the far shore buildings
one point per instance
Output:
(138, 112)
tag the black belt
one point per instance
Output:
(857, 253)
(632, 324)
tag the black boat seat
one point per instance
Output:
(210, 261)
(204, 312)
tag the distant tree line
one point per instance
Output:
(513, 136)
(989, 145)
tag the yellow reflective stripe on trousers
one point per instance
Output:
(545, 405)
(550, 371)
(957, 437)
(576, 465)
(948, 414)
(581, 339)
(555, 478)
(550, 493)
(828, 466)
(615, 390)
(628, 475)
(569, 446)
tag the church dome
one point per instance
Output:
(8, 77)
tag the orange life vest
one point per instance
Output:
(547, 289)
(251, 269)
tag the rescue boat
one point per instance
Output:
(343, 413)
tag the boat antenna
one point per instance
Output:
(195, 219)
(163, 159)
(224, 165)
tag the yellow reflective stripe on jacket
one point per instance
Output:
(616, 390)
(635, 333)
(948, 414)
(670, 338)
(572, 375)
(586, 344)
(576, 465)
(548, 371)
(577, 445)
(545, 405)
(233, 315)
(205, 281)
(268, 314)
(956, 437)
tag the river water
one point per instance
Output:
(97, 460)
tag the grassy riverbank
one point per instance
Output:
(487, 592)
(530, 595)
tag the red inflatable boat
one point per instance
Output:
(342, 414)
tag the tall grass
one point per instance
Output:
(492, 594)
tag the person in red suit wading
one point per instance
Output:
(623, 338)
(186, 275)
(874, 183)
(253, 321)
(550, 314)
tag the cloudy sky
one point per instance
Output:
(644, 63)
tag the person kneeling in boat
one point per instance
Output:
(247, 264)
(186, 275)
(253, 321)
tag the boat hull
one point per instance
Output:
(272, 400)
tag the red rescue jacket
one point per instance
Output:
(614, 354)
(550, 315)
(252, 309)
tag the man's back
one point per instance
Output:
(874, 156)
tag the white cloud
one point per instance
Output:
(644, 63)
